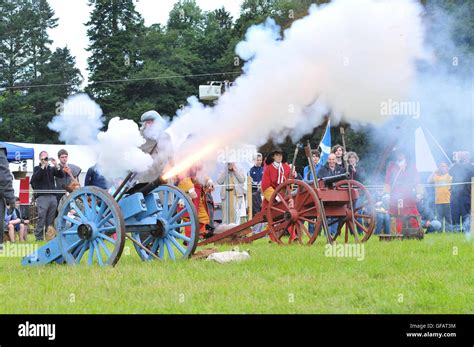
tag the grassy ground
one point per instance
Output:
(435, 275)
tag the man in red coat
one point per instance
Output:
(275, 172)
(402, 183)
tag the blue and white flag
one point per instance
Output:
(325, 144)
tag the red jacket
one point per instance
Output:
(272, 178)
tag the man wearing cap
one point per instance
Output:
(157, 144)
(7, 194)
(71, 171)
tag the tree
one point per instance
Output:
(115, 31)
(14, 48)
(59, 79)
(40, 19)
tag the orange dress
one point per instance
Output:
(186, 185)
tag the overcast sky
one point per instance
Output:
(72, 15)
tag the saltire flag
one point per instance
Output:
(325, 144)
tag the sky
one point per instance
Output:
(73, 14)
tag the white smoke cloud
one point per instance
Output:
(117, 149)
(347, 57)
(80, 120)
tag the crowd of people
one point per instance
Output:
(403, 194)
(51, 181)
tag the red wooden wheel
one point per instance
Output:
(292, 209)
(358, 225)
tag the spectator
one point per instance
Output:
(42, 182)
(232, 194)
(308, 177)
(22, 227)
(338, 150)
(11, 221)
(307, 174)
(71, 174)
(331, 168)
(461, 172)
(356, 172)
(442, 181)
(382, 215)
(6, 190)
(94, 178)
(256, 173)
(428, 220)
(402, 183)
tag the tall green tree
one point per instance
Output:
(115, 31)
(33, 79)
(59, 79)
(40, 20)
(14, 42)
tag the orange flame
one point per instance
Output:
(189, 161)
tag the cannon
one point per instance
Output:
(299, 205)
(299, 211)
(92, 226)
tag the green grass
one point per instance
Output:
(395, 277)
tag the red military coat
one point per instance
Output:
(402, 185)
(273, 176)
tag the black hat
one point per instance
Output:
(275, 149)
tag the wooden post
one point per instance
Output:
(249, 197)
(472, 206)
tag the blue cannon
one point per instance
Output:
(92, 226)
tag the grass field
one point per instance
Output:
(435, 275)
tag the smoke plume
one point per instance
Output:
(117, 149)
(346, 57)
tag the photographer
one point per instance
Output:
(43, 183)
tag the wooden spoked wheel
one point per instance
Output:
(359, 222)
(293, 213)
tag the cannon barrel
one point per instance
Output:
(146, 189)
(329, 181)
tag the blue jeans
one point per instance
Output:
(311, 228)
(383, 221)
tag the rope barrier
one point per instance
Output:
(369, 186)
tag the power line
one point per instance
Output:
(125, 80)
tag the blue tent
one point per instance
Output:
(16, 153)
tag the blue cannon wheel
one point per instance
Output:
(169, 241)
(90, 228)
